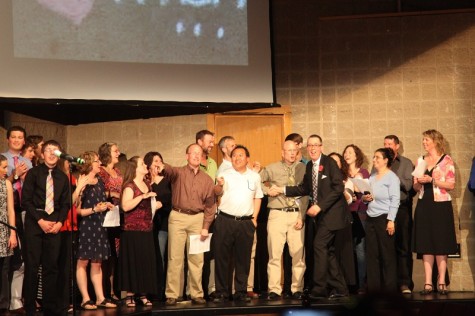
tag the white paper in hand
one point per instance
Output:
(197, 246)
(420, 168)
(362, 184)
(112, 218)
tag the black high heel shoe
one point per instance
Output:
(428, 288)
(442, 289)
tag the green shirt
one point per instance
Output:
(211, 169)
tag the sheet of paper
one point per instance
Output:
(112, 218)
(362, 184)
(420, 168)
(198, 246)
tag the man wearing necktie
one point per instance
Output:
(46, 199)
(324, 183)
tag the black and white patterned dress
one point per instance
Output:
(93, 242)
(4, 230)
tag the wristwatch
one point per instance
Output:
(15, 177)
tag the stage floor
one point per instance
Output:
(455, 303)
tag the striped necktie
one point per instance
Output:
(49, 205)
(315, 182)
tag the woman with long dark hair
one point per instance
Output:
(137, 271)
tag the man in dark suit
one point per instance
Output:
(324, 183)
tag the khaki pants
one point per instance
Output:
(180, 227)
(280, 229)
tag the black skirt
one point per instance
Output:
(137, 263)
(434, 229)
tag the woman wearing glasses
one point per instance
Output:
(93, 244)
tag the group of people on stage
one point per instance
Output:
(341, 237)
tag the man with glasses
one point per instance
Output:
(286, 221)
(323, 181)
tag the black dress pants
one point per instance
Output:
(232, 239)
(327, 273)
(380, 256)
(403, 245)
(44, 249)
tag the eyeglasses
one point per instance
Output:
(49, 151)
(314, 145)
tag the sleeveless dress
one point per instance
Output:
(434, 229)
(137, 260)
(93, 242)
(4, 230)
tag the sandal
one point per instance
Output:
(106, 303)
(427, 289)
(89, 305)
(442, 289)
(129, 300)
(143, 300)
(114, 298)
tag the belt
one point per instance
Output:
(188, 212)
(236, 218)
(286, 209)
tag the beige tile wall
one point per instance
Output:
(170, 136)
(34, 126)
(357, 80)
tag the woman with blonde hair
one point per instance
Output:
(434, 229)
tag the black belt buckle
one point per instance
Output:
(291, 209)
(236, 218)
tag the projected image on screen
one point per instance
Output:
(143, 31)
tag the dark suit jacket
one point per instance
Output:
(334, 209)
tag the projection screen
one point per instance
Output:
(150, 50)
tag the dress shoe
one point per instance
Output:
(405, 289)
(361, 291)
(198, 301)
(170, 301)
(252, 295)
(212, 296)
(18, 311)
(220, 299)
(241, 297)
(336, 295)
(316, 296)
(273, 296)
(297, 295)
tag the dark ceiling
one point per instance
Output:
(73, 112)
